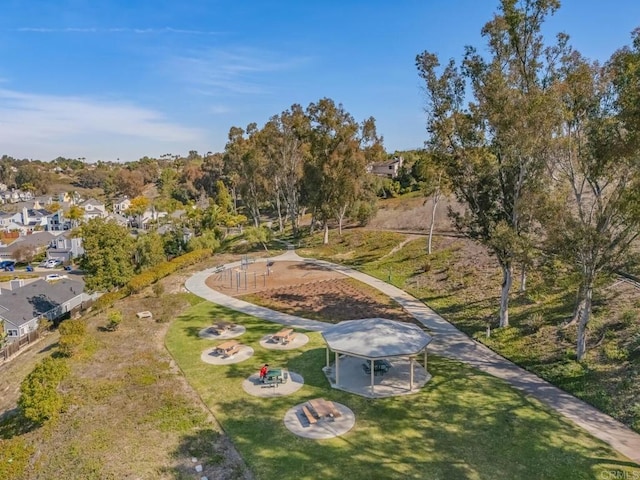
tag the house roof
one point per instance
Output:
(92, 201)
(20, 305)
(38, 239)
(376, 338)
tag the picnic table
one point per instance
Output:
(227, 349)
(275, 376)
(380, 367)
(222, 326)
(284, 336)
(320, 409)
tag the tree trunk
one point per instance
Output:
(341, 215)
(507, 280)
(577, 311)
(433, 222)
(325, 240)
(581, 349)
(523, 279)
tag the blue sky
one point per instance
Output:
(120, 79)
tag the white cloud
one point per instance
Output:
(42, 123)
(237, 70)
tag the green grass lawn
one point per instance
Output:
(463, 424)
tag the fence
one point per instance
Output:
(12, 348)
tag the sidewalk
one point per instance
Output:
(448, 342)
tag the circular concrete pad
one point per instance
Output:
(209, 356)
(299, 340)
(211, 333)
(253, 386)
(296, 422)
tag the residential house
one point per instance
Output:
(22, 307)
(93, 209)
(121, 205)
(34, 219)
(65, 248)
(57, 222)
(9, 219)
(389, 169)
(35, 242)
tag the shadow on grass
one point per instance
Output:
(13, 424)
(461, 425)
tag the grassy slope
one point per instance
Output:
(128, 414)
(465, 291)
(463, 424)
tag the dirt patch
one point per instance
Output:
(307, 290)
(258, 277)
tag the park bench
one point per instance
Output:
(145, 314)
(308, 415)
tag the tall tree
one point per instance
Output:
(597, 172)
(494, 147)
(149, 251)
(107, 258)
(337, 164)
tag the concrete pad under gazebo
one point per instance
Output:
(375, 357)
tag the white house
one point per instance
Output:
(93, 209)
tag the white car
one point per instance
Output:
(52, 277)
(52, 263)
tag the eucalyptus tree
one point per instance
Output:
(336, 166)
(595, 214)
(245, 159)
(494, 147)
(287, 146)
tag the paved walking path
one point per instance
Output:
(448, 342)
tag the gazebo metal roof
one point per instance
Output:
(376, 338)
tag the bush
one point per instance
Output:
(114, 320)
(72, 337)
(40, 400)
(108, 299)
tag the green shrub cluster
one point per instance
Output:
(142, 280)
(40, 399)
(72, 336)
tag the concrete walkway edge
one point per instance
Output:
(448, 342)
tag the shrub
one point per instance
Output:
(108, 299)
(40, 400)
(72, 336)
(114, 320)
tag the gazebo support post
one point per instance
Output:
(328, 356)
(337, 368)
(425, 360)
(372, 374)
(411, 374)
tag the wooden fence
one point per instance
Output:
(12, 348)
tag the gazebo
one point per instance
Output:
(375, 342)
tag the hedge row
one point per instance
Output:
(152, 275)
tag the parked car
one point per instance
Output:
(54, 276)
(52, 263)
(7, 263)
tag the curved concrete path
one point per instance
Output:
(448, 342)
